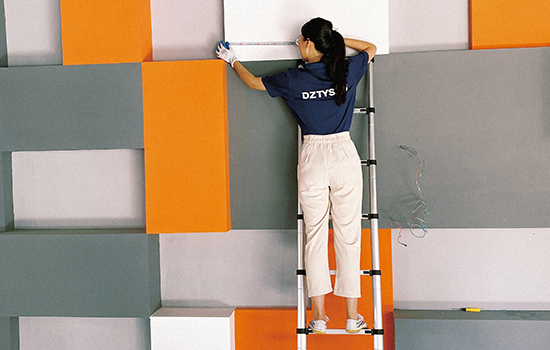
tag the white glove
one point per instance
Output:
(226, 53)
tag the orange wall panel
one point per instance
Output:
(279, 325)
(509, 23)
(106, 31)
(186, 146)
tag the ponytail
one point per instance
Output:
(331, 44)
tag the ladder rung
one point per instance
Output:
(364, 110)
(369, 216)
(361, 272)
(368, 162)
(341, 331)
(363, 216)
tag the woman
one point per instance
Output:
(321, 97)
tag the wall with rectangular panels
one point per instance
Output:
(265, 171)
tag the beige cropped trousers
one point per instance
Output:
(330, 181)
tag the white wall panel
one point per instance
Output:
(64, 333)
(186, 29)
(33, 32)
(79, 189)
(493, 269)
(184, 328)
(280, 21)
(428, 25)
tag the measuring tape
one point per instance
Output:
(262, 43)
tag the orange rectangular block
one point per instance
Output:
(282, 323)
(104, 31)
(498, 24)
(186, 146)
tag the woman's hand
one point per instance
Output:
(360, 45)
(226, 53)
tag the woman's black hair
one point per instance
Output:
(331, 44)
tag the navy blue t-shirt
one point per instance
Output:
(309, 94)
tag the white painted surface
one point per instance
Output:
(273, 21)
(493, 269)
(186, 29)
(33, 32)
(79, 189)
(70, 333)
(182, 329)
(428, 25)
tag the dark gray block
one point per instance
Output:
(71, 107)
(6, 192)
(459, 330)
(263, 146)
(79, 273)
(263, 140)
(9, 333)
(3, 37)
(480, 121)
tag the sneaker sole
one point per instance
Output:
(318, 332)
(356, 330)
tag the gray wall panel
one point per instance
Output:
(71, 107)
(493, 330)
(3, 37)
(480, 121)
(78, 273)
(263, 141)
(6, 193)
(9, 333)
(262, 154)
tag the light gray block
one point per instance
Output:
(6, 193)
(241, 268)
(458, 330)
(64, 333)
(79, 273)
(480, 121)
(71, 107)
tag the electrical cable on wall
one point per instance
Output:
(418, 208)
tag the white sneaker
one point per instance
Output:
(354, 326)
(319, 326)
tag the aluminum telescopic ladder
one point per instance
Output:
(377, 330)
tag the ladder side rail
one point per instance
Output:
(375, 247)
(302, 296)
